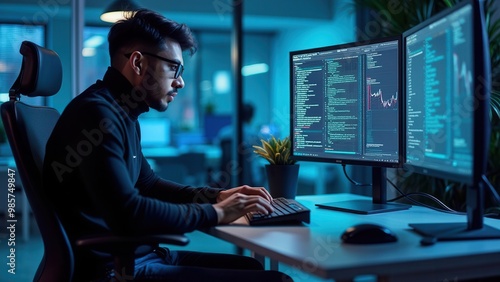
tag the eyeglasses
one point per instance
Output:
(179, 67)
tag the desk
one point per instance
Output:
(212, 153)
(317, 248)
(188, 165)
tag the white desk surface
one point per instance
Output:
(316, 248)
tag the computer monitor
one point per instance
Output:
(346, 108)
(155, 132)
(447, 92)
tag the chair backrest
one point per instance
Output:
(28, 129)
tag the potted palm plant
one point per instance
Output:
(282, 170)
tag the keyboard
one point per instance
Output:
(286, 211)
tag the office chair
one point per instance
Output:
(28, 129)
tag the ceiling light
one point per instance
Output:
(254, 69)
(94, 41)
(118, 9)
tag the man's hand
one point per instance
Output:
(236, 202)
(247, 190)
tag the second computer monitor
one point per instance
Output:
(447, 84)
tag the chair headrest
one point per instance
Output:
(41, 72)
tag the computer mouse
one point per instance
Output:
(368, 233)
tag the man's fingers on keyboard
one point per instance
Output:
(260, 191)
(257, 208)
(266, 194)
(261, 203)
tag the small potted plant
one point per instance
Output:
(276, 151)
(282, 170)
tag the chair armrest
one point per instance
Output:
(114, 242)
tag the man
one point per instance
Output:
(100, 181)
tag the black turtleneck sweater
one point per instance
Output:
(98, 178)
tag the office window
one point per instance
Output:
(95, 54)
(12, 35)
(216, 84)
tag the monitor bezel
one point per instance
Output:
(481, 87)
(350, 161)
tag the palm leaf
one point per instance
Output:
(495, 106)
(397, 19)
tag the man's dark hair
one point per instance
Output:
(149, 28)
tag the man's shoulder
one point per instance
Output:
(94, 99)
(96, 93)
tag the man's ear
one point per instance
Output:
(137, 63)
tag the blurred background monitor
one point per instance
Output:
(155, 132)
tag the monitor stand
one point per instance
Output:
(378, 204)
(473, 229)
